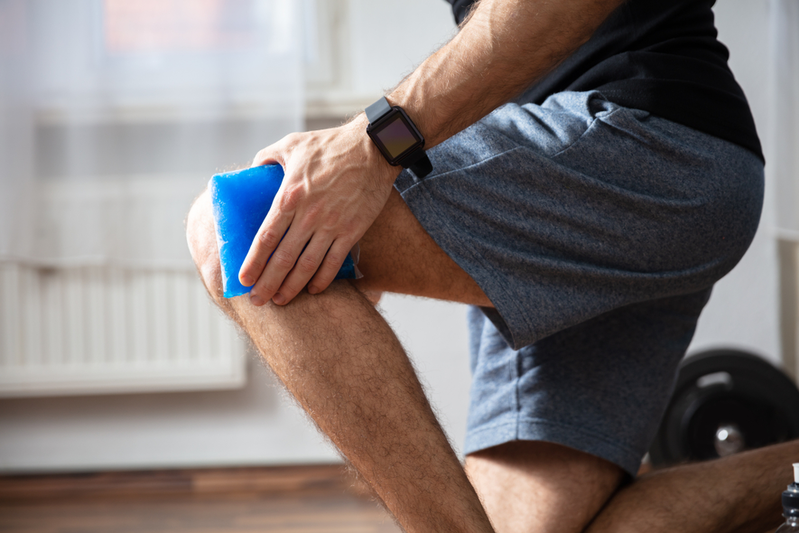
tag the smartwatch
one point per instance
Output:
(397, 137)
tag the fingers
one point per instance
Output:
(271, 232)
(286, 254)
(280, 263)
(318, 252)
(328, 199)
(330, 266)
(266, 241)
(274, 226)
(283, 279)
(286, 251)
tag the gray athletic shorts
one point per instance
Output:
(597, 232)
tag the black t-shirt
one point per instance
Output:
(661, 56)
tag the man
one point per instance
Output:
(586, 221)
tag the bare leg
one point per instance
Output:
(521, 483)
(343, 364)
(540, 486)
(397, 255)
(341, 361)
(740, 493)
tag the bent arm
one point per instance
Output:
(501, 49)
(336, 182)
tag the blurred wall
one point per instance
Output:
(259, 424)
(744, 309)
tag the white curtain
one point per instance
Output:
(783, 131)
(114, 114)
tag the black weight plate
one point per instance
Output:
(723, 387)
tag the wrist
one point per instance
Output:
(373, 162)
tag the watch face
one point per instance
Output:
(396, 136)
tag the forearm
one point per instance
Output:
(504, 47)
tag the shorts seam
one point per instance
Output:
(580, 137)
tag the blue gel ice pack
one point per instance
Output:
(241, 201)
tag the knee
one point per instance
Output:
(201, 238)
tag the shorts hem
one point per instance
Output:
(556, 433)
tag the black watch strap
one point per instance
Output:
(418, 162)
(377, 110)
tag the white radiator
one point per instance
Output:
(101, 330)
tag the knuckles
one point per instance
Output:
(292, 139)
(265, 290)
(306, 264)
(269, 239)
(282, 259)
(261, 156)
(332, 219)
(290, 198)
(334, 260)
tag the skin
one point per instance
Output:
(341, 361)
(336, 182)
(343, 364)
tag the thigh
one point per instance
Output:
(540, 486)
(397, 255)
(565, 211)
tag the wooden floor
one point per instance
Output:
(305, 499)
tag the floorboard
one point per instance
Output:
(301, 499)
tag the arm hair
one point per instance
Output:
(503, 47)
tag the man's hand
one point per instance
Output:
(335, 185)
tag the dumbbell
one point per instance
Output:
(725, 402)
